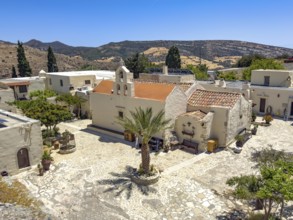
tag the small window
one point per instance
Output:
(50, 81)
(87, 82)
(125, 89)
(121, 76)
(61, 82)
(266, 80)
(118, 89)
(120, 114)
(22, 89)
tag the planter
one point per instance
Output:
(46, 164)
(56, 145)
(41, 171)
(67, 149)
(253, 131)
(145, 181)
(239, 143)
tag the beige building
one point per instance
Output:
(197, 115)
(272, 92)
(110, 100)
(22, 86)
(6, 95)
(213, 115)
(168, 76)
(64, 82)
(20, 142)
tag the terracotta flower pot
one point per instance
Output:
(46, 164)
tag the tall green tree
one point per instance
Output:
(137, 64)
(200, 71)
(261, 64)
(52, 64)
(274, 184)
(14, 74)
(173, 59)
(145, 125)
(72, 101)
(247, 60)
(24, 68)
(48, 114)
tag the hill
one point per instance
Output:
(38, 60)
(215, 53)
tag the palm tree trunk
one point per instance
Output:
(145, 158)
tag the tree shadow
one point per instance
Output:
(232, 215)
(121, 183)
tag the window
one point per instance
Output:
(120, 114)
(266, 80)
(118, 89)
(22, 89)
(87, 82)
(61, 82)
(50, 81)
(125, 89)
(121, 76)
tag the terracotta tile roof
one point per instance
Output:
(22, 83)
(213, 98)
(183, 86)
(145, 90)
(105, 87)
(196, 114)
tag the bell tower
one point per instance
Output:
(123, 85)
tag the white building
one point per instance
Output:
(64, 82)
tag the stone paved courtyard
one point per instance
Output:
(92, 183)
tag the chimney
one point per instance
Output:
(165, 70)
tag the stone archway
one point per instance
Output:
(23, 158)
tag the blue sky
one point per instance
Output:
(97, 22)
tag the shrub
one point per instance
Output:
(267, 118)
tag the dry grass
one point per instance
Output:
(17, 193)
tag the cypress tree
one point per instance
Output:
(14, 75)
(24, 68)
(137, 64)
(173, 58)
(52, 64)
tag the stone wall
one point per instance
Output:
(239, 119)
(13, 138)
(175, 105)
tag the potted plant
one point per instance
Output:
(46, 160)
(254, 130)
(253, 116)
(239, 140)
(267, 118)
(41, 170)
(68, 143)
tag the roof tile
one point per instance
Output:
(213, 98)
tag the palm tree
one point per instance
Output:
(144, 125)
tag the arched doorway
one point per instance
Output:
(23, 158)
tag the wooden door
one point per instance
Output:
(23, 158)
(262, 105)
